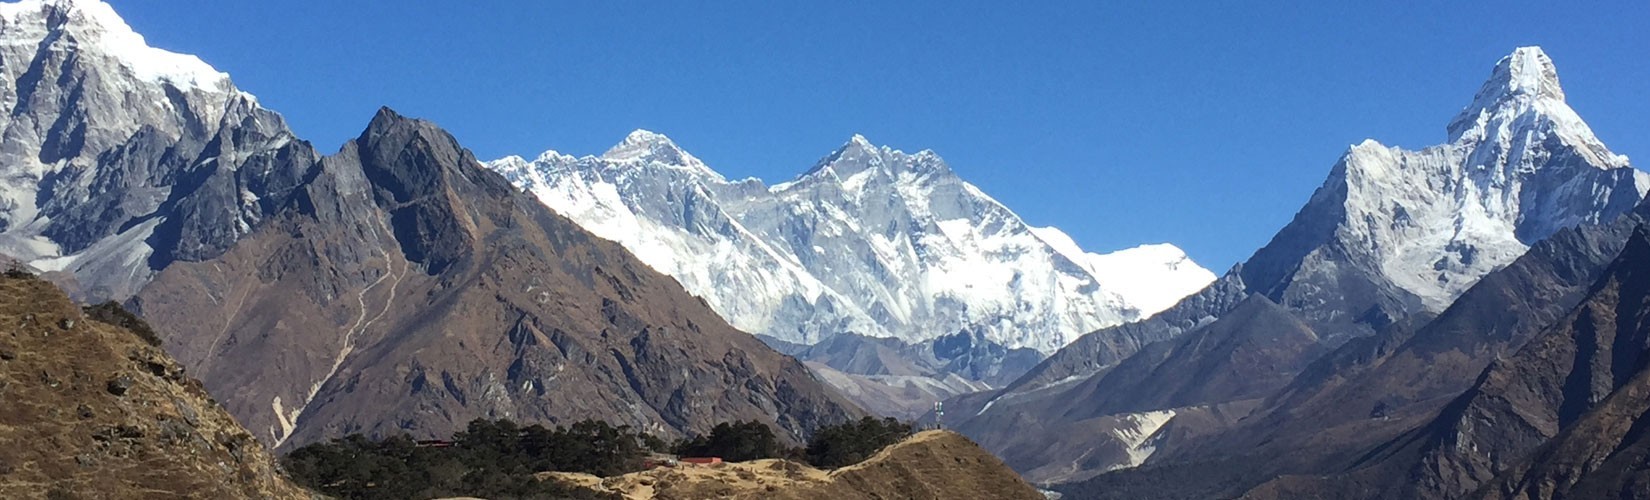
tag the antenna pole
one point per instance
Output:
(939, 414)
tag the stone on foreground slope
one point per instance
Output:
(90, 410)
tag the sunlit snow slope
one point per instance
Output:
(871, 240)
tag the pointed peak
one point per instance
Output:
(857, 150)
(1523, 77)
(644, 136)
(646, 145)
(1527, 71)
(1521, 98)
(390, 129)
(387, 119)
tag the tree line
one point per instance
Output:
(498, 458)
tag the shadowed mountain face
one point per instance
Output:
(1601, 456)
(1580, 380)
(890, 377)
(407, 289)
(1213, 373)
(1584, 380)
(88, 409)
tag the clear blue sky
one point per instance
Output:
(1202, 124)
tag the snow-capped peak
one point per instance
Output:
(1525, 73)
(872, 240)
(857, 154)
(653, 148)
(1152, 277)
(96, 26)
(1520, 165)
(647, 145)
(1521, 99)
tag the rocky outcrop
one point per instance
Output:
(89, 409)
(1555, 381)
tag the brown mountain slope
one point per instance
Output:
(1356, 418)
(1210, 373)
(408, 289)
(930, 465)
(1584, 376)
(89, 410)
(1519, 402)
(1606, 454)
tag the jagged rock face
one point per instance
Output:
(121, 158)
(870, 241)
(1551, 384)
(1601, 456)
(405, 288)
(90, 410)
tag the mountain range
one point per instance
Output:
(394, 286)
(871, 241)
(1465, 320)
(873, 253)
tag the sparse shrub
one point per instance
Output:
(18, 271)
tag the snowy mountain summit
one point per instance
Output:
(1519, 165)
(870, 240)
(105, 139)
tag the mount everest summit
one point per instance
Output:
(870, 241)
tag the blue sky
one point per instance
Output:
(1205, 124)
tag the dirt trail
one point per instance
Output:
(930, 465)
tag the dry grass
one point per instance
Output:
(930, 465)
(90, 410)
